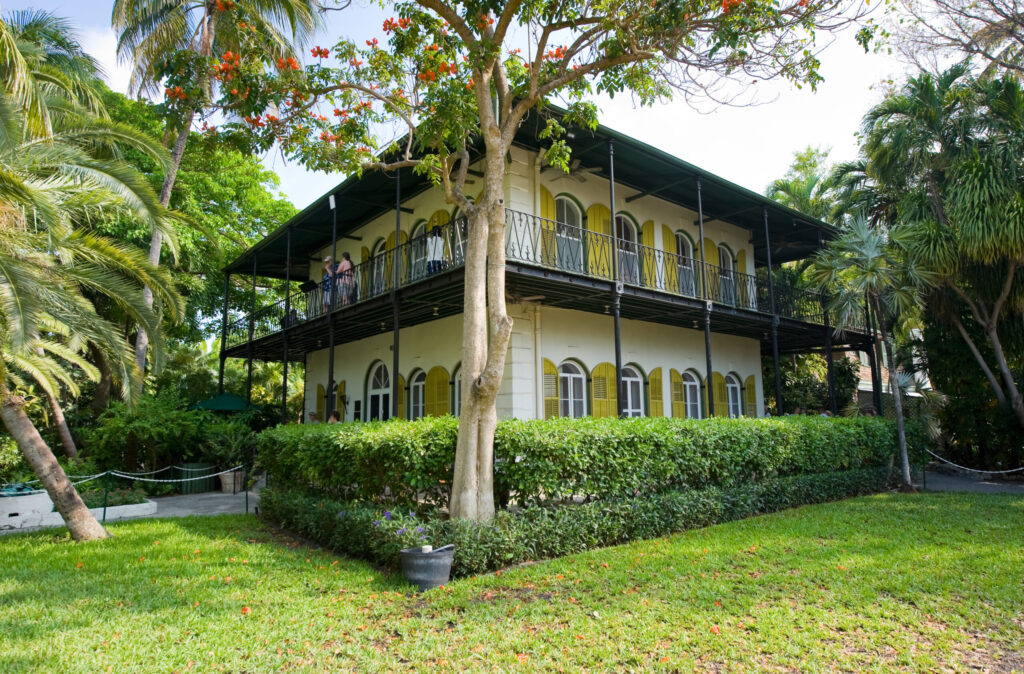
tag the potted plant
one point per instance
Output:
(228, 445)
(427, 567)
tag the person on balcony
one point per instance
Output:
(327, 286)
(435, 251)
(346, 279)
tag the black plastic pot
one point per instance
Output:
(427, 569)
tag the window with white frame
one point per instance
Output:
(571, 391)
(734, 396)
(633, 393)
(691, 395)
(379, 406)
(684, 262)
(568, 235)
(417, 394)
(727, 275)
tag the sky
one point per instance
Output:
(750, 145)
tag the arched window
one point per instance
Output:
(571, 391)
(568, 234)
(418, 251)
(417, 394)
(727, 267)
(379, 266)
(629, 264)
(379, 404)
(684, 249)
(691, 395)
(633, 390)
(734, 395)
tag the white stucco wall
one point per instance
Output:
(537, 333)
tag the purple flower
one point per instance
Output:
(423, 538)
(419, 530)
(387, 514)
(401, 531)
(377, 523)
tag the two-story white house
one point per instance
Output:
(672, 281)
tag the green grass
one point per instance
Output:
(921, 582)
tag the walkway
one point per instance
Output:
(942, 482)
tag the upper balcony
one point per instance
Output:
(553, 263)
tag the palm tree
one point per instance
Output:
(154, 33)
(56, 172)
(947, 150)
(867, 262)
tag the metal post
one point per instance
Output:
(252, 334)
(287, 323)
(707, 304)
(775, 316)
(106, 493)
(830, 374)
(224, 332)
(616, 284)
(395, 258)
(329, 403)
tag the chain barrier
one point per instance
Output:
(128, 476)
(974, 470)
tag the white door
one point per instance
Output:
(629, 265)
(571, 386)
(727, 276)
(380, 394)
(633, 392)
(568, 235)
(684, 265)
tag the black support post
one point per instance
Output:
(329, 403)
(224, 332)
(286, 322)
(252, 334)
(707, 304)
(396, 258)
(830, 373)
(617, 284)
(775, 315)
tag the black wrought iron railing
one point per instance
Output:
(540, 242)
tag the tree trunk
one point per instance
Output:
(486, 331)
(985, 369)
(156, 241)
(101, 398)
(80, 522)
(66, 438)
(1016, 402)
(897, 398)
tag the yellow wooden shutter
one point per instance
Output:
(549, 213)
(389, 245)
(721, 397)
(401, 397)
(678, 394)
(599, 253)
(668, 244)
(321, 402)
(340, 402)
(437, 402)
(648, 261)
(704, 409)
(604, 402)
(551, 404)
(742, 289)
(750, 396)
(710, 252)
(654, 393)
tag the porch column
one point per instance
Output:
(830, 373)
(617, 284)
(252, 333)
(286, 323)
(707, 304)
(775, 315)
(224, 331)
(329, 403)
(396, 276)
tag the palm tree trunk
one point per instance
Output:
(66, 438)
(80, 522)
(156, 241)
(101, 397)
(897, 397)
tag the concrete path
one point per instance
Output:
(935, 481)
(207, 503)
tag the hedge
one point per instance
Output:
(587, 459)
(541, 532)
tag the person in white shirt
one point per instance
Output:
(435, 251)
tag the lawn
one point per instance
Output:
(919, 582)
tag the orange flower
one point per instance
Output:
(246, 610)
(715, 629)
(522, 657)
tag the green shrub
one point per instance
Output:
(559, 460)
(541, 532)
(124, 496)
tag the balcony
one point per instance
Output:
(540, 244)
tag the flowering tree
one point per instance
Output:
(453, 76)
